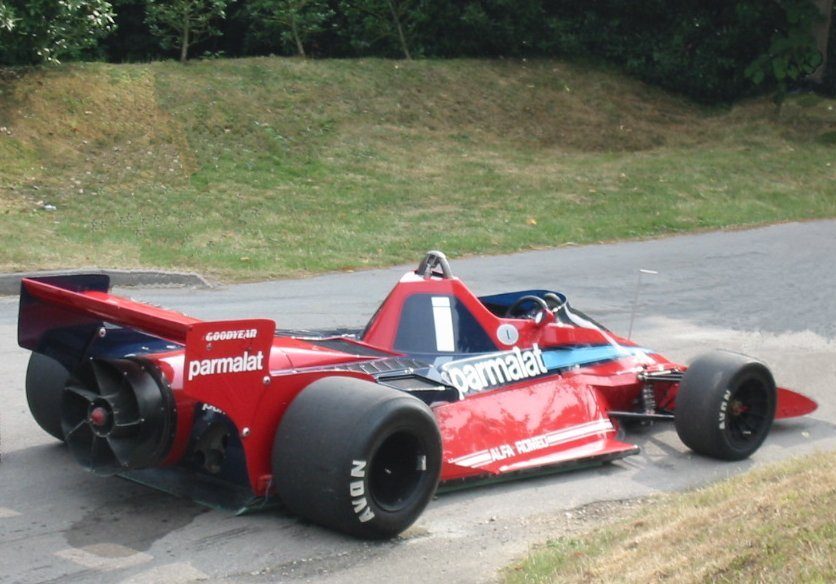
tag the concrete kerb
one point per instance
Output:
(10, 283)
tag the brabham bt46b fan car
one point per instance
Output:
(354, 432)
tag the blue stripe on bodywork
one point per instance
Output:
(566, 358)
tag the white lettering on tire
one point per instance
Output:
(357, 491)
(358, 469)
(724, 405)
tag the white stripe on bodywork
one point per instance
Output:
(577, 432)
(443, 322)
(483, 457)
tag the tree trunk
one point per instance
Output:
(398, 26)
(821, 32)
(299, 48)
(184, 45)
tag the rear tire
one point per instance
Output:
(725, 405)
(357, 457)
(45, 381)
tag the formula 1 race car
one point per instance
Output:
(355, 431)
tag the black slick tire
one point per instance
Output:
(357, 457)
(725, 405)
(45, 381)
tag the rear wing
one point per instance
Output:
(65, 317)
(83, 301)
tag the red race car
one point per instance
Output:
(355, 432)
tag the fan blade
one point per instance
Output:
(83, 393)
(108, 378)
(71, 434)
(124, 405)
(125, 429)
(122, 450)
(102, 458)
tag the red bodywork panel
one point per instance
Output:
(792, 404)
(524, 426)
(533, 418)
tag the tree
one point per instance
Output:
(7, 17)
(821, 32)
(792, 54)
(36, 31)
(7, 25)
(183, 23)
(378, 19)
(296, 19)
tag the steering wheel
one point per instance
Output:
(522, 300)
(554, 301)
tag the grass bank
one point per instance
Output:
(777, 524)
(271, 167)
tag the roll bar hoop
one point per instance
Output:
(432, 260)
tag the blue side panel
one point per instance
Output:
(127, 342)
(558, 359)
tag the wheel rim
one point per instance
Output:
(748, 413)
(396, 471)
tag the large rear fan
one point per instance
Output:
(117, 414)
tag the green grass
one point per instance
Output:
(777, 524)
(270, 167)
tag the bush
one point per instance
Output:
(710, 50)
(702, 49)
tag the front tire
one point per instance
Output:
(725, 405)
(357, 457)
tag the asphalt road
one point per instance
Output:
(768, 292)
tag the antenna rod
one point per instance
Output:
(636, 300)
